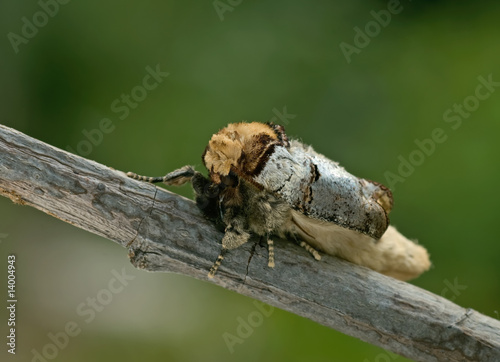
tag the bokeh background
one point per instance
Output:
(255, 61)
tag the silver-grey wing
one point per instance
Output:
(321, 189)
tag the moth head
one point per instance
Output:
(240, 149)
(231, 180)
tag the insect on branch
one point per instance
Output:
(174, 236)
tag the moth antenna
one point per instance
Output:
(270, 246)
(217, 263)
(310, 249)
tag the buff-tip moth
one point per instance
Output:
(262, 183)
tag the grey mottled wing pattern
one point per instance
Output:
(321, 189)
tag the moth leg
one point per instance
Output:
(144, 178)
(234, 237)
(311, 250)
(231, 240)
(217, 263)
(176, 178)
(270, 247)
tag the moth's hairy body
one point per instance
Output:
(260, 183)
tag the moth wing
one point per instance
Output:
(321, 189)
(393, 254)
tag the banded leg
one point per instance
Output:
(217, 263)
(176, 178)
(235, 235)
(270, 247)
(311, 250)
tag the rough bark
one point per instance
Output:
(168, 234)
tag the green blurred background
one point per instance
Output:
(248, 63)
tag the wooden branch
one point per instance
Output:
(169, 234)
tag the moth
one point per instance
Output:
(260, 182)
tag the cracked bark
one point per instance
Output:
(169, 234)
(140, 223)
(252, 251)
